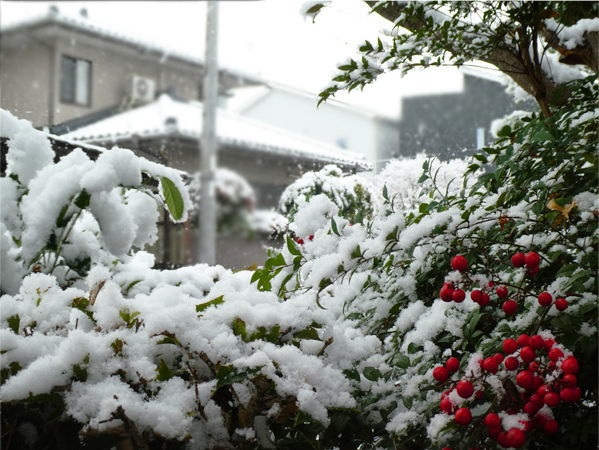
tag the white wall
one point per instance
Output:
(328, 123)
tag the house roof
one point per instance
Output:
(167, 116)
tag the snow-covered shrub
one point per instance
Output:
(63, 218)
(407, 187)
(351, 194)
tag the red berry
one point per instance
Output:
(532, 260)
(518, 260)
(491, 365)
(577, 393)
(567, 395)
(537, 382)
(476, 296)
(532, 272)
(452, 364)
(447, 406)
(458, 296)
(537, 400)
(544, 390)
(551, 399)
(533, 366)
(537, 342)
(523, 340)
(459, 263)
(511, 363)
(447, 448)
(465, 389)
(527, 425)
(555, 354)
(510, 307)
(478, 395)
(494, 432)
(549, 343)
(570, 366)
(569, 380)
(501, 440)
(525, 379)
(502, 291)
(499, 357)
(446, 292)
(311, 237)
(440, 374)
(527, 354)
(485, 301)
(515, 438)
(545, 299)
(300, 241)
(531, 409)
(463, 416)
(509, 346)
(561, 304)
(491, 284)
(492, 420)
(551, 426)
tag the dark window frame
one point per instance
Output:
(68, 95)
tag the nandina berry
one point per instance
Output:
(463, 416)
(458, 296)
(518, 260)
(440, 374)
(537, 382)
(491, 365)
(523, 340)
(545, 299)
(485, 301)
(532, 272)
(549, 343)
(476, 296)
(501, 440)
(502, 291)
(551, 399)
(446, 448)
(551, 426)
(525, 379)
(544, 390)
(499, 357)
(533, 366)
(569, 380)
(540, 419)
(515, 438)
(300, 241)
(478, 395)
(561, 304)
(510, 307)
(537, 400)
(531, 409)
(494, 432)
(447, 406)
(532, 260)
(452, 364)
(446, 292)
(570, 366)
(311, 237)
(509, 346)
(511, 363)
(492, 420)
(527, 354)
(459, 263)
(537, 342)
(577, 393)
(465, 389)
(567, 395)
(555, 354)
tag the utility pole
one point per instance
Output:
(208, 142)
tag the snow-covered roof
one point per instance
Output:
(167, 116)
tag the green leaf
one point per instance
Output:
(413, 348)
(542, 135)
(407, 402)
(80, 373)
(352, 374)
(228, 374)
(61, 222)
(173, 198)
(83, 199)
(372, 373)
(308, 333)
(239, 329)
(164, 373)
(217, 301)
(403, 361)
(133, 283)
(13, 323)
(334, 227)
(292, 247)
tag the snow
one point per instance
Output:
(573, 36)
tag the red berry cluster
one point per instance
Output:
(538, 361)
(301, 241)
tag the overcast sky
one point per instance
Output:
(266, 38)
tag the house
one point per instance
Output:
(454, 125)
(363, 132)
(61, 71)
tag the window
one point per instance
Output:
(75, 81)
(480, 138)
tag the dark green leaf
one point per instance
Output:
(173, 198)
(217, 301)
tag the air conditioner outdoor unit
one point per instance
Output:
(142, 89)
